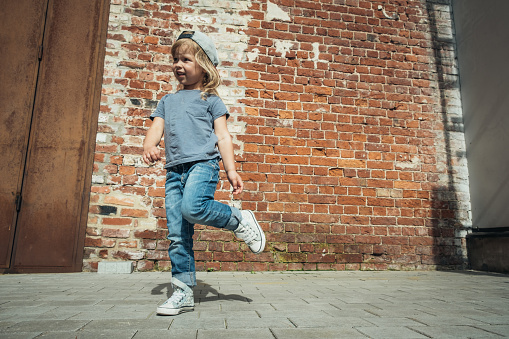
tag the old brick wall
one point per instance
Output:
(347, 128)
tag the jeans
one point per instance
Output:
(190, 189)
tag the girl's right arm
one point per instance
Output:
(151, 152)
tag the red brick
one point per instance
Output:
(117, 221)
(145, 265)
(130, 212)
(115, 233)
(228, 256)
(99, 242)
(146, 234)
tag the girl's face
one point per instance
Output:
(186, 69)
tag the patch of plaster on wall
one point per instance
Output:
(283, 47)
(276, 13)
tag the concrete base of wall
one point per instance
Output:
(115, 267)
(489, 251)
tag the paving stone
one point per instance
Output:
(129, 302)
(502, 330)
(293, 313)
(47, 325)
(390, 332)
(25, 312)
(78, 307)
(245, 307)
(59, 335)
(5, 324)
(399, 310)
(350, 312)
(318, 333)
(108, 334)
(323, 321)
(236, 334)
(111, 315)
(449, 320)
(19, 335)
(24, 303)
(56, 314)
(491, 319)
(180, 323)
(74, 302)
(250, 314)
(455, 332)
(154, 324)
(236, 323)
(180, 334)
(6, 316)
(393, 322)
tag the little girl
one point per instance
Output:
(196, 137)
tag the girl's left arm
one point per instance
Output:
(225, 146)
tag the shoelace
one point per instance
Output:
(248, 234)
(176, 297)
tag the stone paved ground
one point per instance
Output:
(278, 305)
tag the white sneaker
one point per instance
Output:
(250, 231)
(182, 300)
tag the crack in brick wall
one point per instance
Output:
(347, 130)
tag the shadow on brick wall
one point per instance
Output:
(448, 211)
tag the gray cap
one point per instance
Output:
(204, 42)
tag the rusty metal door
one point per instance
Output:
(19, 68)
(51, 59)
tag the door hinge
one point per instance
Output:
(40, 52)
(18, 201)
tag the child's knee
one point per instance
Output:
(192, 212)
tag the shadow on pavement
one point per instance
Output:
(202, 293)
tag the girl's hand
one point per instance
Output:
(236, 181)
(151, 155)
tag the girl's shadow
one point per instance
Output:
(202, 293)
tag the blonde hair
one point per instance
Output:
(212, 79)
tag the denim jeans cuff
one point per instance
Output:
(235, 219)
(188, 278)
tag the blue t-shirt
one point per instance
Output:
(189, 126)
